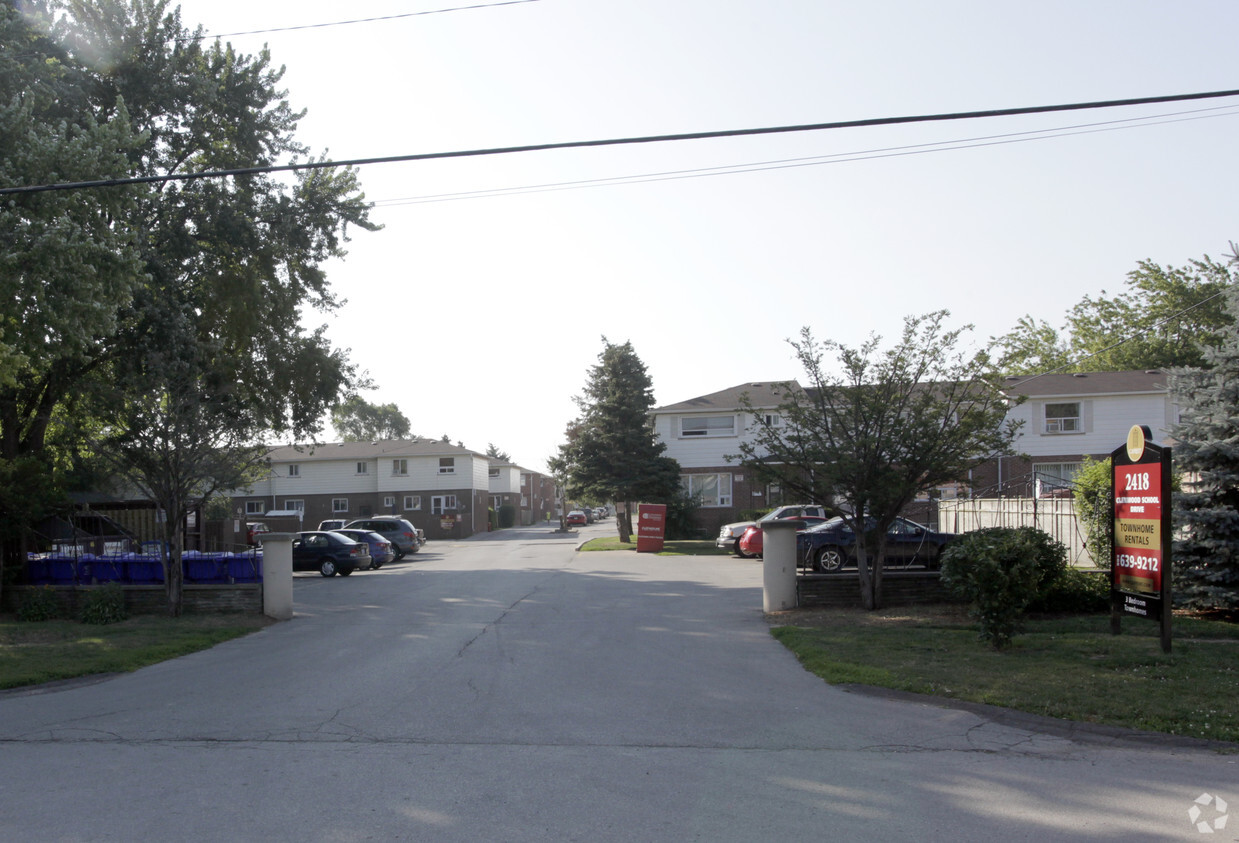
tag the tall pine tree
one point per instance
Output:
(611, 454)
(1206, 451)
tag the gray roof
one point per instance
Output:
(763, 394)
(369, 450)
(1087, 383)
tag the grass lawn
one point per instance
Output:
(704, 547)
(44, 651)
(1067, 667)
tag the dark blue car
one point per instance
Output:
(831, 546)
(329, 553)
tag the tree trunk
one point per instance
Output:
(623, 521)
(870, 568)
(173, 569)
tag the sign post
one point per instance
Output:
(651, 527)
(1140, 532)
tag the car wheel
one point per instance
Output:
(741, 553)
(399, 555)
(375, 565)
(344, 572)
(828, 560)
(328, 568)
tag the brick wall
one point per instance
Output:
(152, 599)
(899, 588)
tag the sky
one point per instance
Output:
(480, 316)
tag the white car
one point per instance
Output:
(730, 534)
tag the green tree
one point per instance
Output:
(1206, 453)
(1094, 508)
(611, 453)
(357, 420)
(494, 453)
(121, 88)
(1161, 320)
(892, 424)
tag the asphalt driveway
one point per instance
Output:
(511, 688)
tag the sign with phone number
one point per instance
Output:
(1138, 527)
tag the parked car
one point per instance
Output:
(380, 548)
(831, 546)
(329, 553)
(730, 534)
(751, 541)
(576, 517)
(331, 524)
(398, 531)
(252, 529)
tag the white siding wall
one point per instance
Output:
(508, 481)
(478, 469)
(701, 451)
(1106, 421)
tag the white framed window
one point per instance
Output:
(294, 470)
(1063, 418)
(707, 426)
(440, 504)
(253, 507)
(447, 465)
(294, 505)
(363, 468)
(524, 501)
(339, 504)
(412, 503)
(399, 468)
(769, 419)
(494, 472)
(389, 501)
(712, 489)
(1055, 478)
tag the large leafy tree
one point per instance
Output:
(357, 420)
(888, 425)
(1159, 321)
(1206, 452)
(611, 453)
(122, 88)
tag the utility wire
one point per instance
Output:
(725, 133)
(204, 36)
(816, 160)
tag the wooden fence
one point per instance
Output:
(1056, 516)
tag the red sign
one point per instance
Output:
(1138, 557)
(651, 527)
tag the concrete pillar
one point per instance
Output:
(277, 575)
(779, 565)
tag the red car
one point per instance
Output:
(750, 542)
(577, 517)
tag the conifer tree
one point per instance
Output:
(1206, 452)
(611, 454)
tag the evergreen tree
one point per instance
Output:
(611, 453)
(1206, 452)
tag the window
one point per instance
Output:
(1063, 418)
(339, 504)
(440, 504)
(363, 468)
(253, 507)
(494, 472)
(447, 465)
(496, 501)
(1054, 479)
(712, 489)
(294, 470)
(294, 506)
(769, 419)
(708, 426)
(400, 468)
(412, 503)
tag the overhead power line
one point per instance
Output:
(688, 136)
(204, 36)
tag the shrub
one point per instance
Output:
(38, 604)
(1094, 508)
(1000, 571)
(507, 516)
(1075, 592)
(104, 605)
(680, 510)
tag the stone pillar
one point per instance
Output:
(277, 575)
(779, 565)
